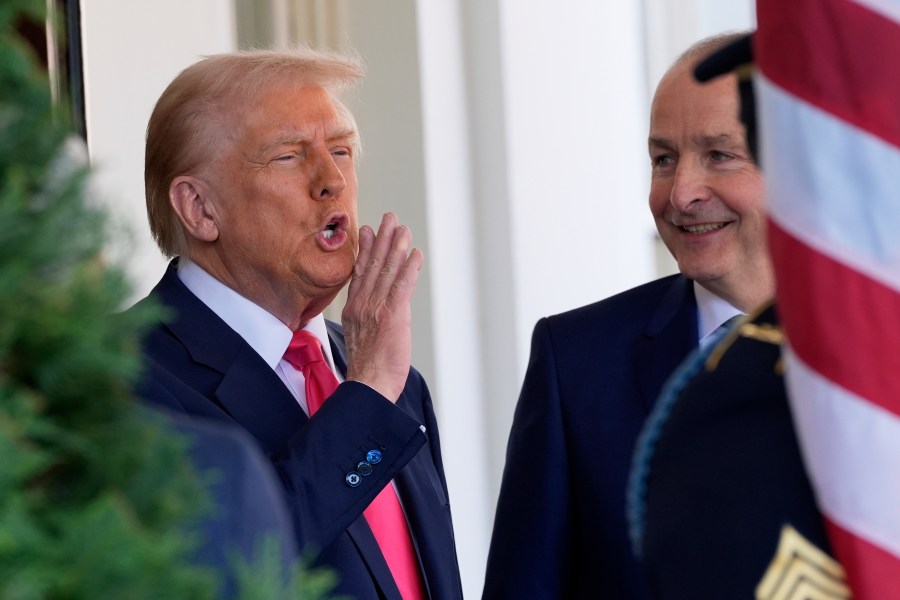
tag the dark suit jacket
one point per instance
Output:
(594, 373)
(198, 365)
(248, 504)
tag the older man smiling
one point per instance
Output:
(596, 372)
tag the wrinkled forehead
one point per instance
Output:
(294, 93)
(678, 92)
(286, 106)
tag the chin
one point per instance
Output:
(698, 273)
(334, 283)
(335, 268)
(339, 279)
(702, 266)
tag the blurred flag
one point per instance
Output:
(828, 89)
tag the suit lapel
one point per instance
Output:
(428, 514)
(249, 390)
(338, 348)
(670, 334)
(362, 536)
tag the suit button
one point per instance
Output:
(373, 456)
(353, 479)
(364, 469)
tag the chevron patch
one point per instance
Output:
(801, 571)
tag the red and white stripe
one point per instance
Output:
(829, 107)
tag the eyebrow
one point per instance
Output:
(658, 141)
(707, 141)
(343, 133)
(703, 140)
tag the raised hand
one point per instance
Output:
(377, 316)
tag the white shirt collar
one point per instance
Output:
(712, 312)
(264, 332)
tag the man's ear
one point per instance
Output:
(191, 202)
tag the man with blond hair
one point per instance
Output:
(251, 190)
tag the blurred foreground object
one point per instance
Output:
(93, 499)
(830, 141)
(98, 496)
(721, 506)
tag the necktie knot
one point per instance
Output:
(303, 350)
(304, 353)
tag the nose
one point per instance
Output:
(327, 181)
(690, 186)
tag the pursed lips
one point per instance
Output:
(335, 224)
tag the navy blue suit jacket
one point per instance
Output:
(560, 531)
(248, 503)
(198, 365)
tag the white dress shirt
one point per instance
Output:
(712, 312)
(261, 329)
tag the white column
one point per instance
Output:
(673, 25)
(574, 110)
(132, 50)
(453, 235)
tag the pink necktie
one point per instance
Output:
(384, 514)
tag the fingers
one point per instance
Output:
(405, 283)
(385, 260)
(363, 255)
(371, 255)
(377, 314)
(379, 266)
(396, 257)
(366, 241)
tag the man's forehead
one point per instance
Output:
(706, 110)
(299, 113)
(330, 131)
(717, 139)
(694, 117)
(700, 139)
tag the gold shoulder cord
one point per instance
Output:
(765, 332)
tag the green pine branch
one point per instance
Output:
(96, 499)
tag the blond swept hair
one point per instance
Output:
(190, 120)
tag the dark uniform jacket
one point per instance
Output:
(719, 485)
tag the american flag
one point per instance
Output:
(828, 91)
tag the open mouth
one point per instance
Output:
(335, 224)
(702, 228)
(335, 229)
